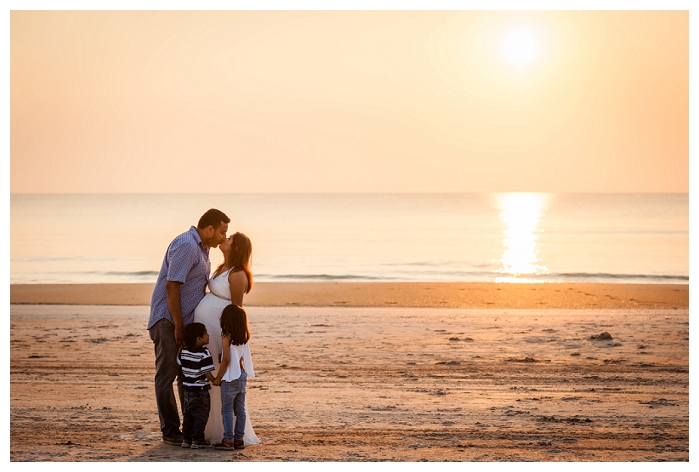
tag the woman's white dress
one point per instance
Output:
(208, 312)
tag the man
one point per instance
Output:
(178, 291)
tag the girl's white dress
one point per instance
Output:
(208, 312)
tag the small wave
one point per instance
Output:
(425, 275)
(413, 264)
(138, 273)
(318, 277)
(439, 265)
(474, 276)
(585, 275)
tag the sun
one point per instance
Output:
(520, 45)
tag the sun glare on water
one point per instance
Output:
(520, 45)
(521, 213)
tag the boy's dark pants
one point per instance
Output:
(197, 404)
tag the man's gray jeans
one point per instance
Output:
(166, 371)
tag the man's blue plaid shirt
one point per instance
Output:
(186, 261)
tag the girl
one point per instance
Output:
(235, 368)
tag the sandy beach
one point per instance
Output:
(387, 294)
(372, 372)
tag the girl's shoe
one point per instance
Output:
(225, 445)
(187, 443)
(200, 444)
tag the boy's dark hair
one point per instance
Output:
(213, 217)
(193, 331)
(234, 324)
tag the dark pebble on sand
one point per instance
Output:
(526, 359)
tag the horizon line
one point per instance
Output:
(350, 193)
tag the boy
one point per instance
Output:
(197, 365)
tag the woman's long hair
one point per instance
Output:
(238, 258)
(234, 324)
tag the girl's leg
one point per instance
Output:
(227, 400)
(239, 407)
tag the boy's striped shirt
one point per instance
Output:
(195, 364)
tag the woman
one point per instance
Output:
(228, 284)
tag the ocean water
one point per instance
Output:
(379, 237)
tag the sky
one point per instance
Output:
(349, 101)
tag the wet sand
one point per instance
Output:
(394, 383)
(387, 294)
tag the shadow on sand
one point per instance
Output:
(167, 453)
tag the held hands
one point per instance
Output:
(215, 381)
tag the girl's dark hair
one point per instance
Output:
(238, 258)
(193, 331)
(234, 324)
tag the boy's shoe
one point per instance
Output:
(200, 444)
(187, 443)
(175, 439)
(239, 444)
(225, 445)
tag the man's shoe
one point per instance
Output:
(175, 439)
(239, 444)
(187, 443)
(200, 444)
(225, 445)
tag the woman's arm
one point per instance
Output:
(238, 282)
(226, 351)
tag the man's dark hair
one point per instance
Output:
(193, 331)
(213, 218)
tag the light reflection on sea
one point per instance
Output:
(521, 213)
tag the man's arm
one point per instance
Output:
(174, 304)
